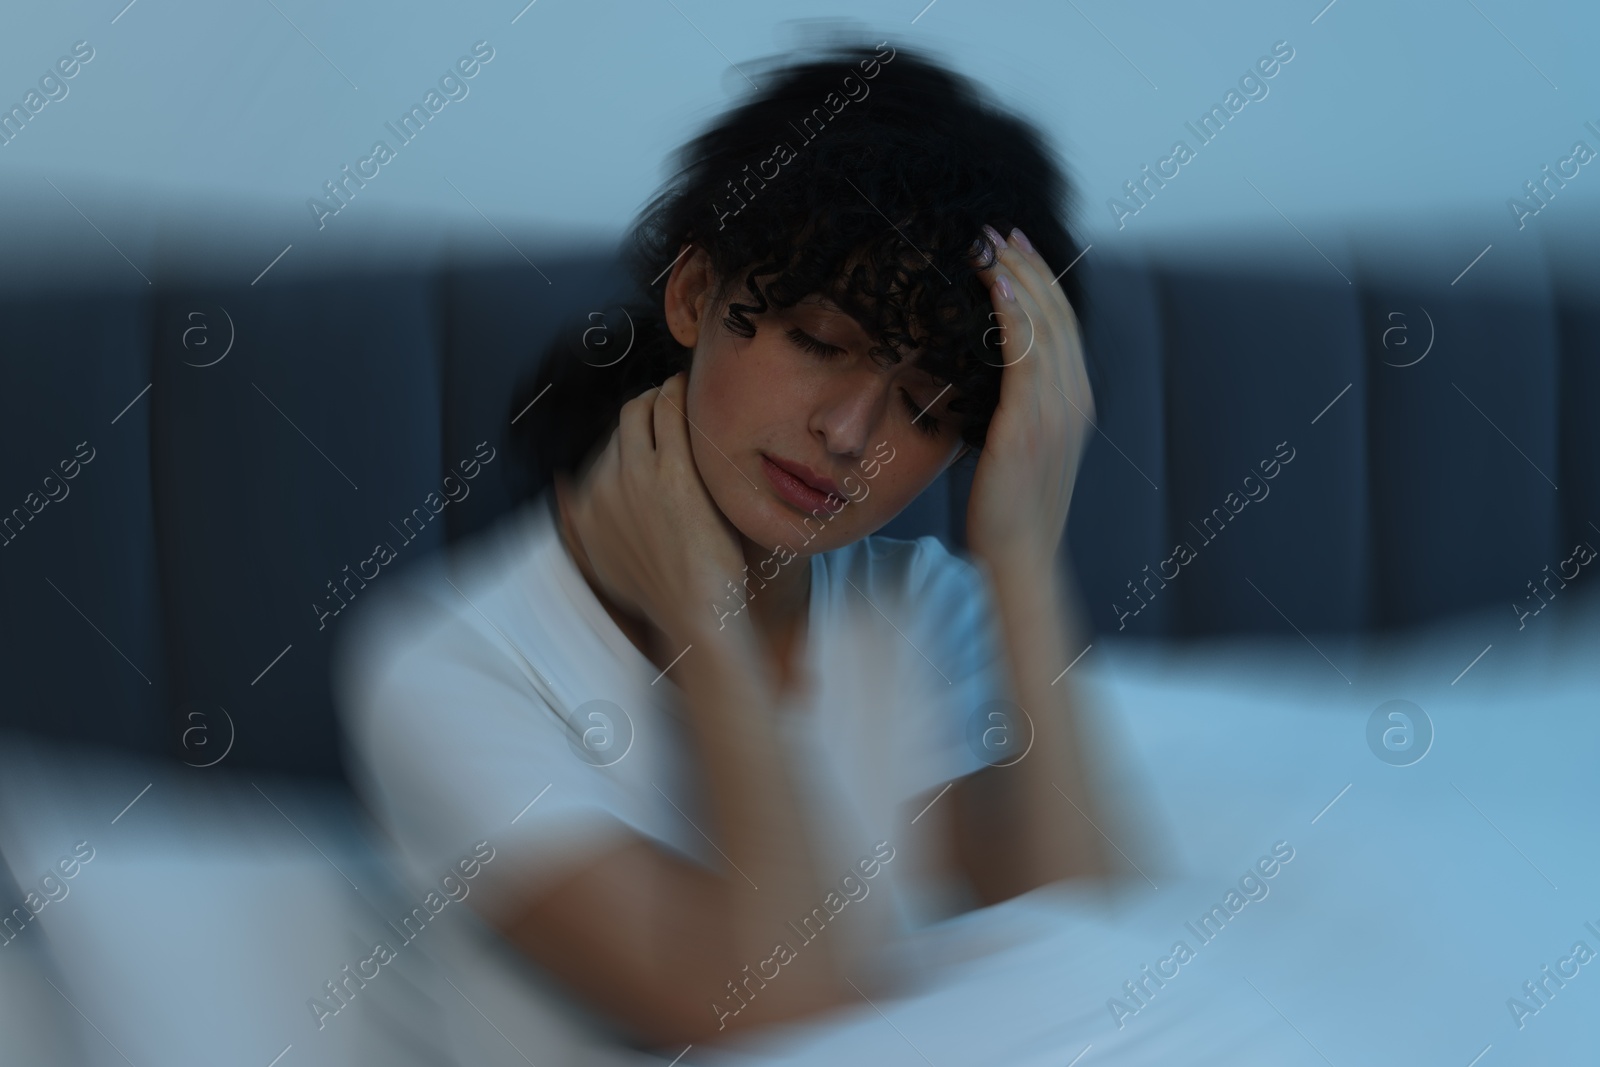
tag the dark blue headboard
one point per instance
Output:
(187, 566)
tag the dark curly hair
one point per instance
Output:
(861, 174)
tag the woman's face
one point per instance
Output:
(805, 395)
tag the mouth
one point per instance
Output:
(800, 487)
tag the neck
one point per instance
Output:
(775, 606)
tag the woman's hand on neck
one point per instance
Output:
(638, 628)
(776, 609)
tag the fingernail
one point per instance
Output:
(1005, 287)
(994, 237)
(1022, 240)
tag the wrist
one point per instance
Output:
(717, 626)
(1021, 569)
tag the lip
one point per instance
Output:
(800, 486)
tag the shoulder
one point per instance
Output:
(934, 666)
(919, 580)
(431, 634)
(451, 685)
(914, 566)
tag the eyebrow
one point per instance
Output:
(823, 302)
(826, 303)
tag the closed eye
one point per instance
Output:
(821, 348)
(924, 423)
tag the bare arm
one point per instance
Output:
(1020, 826)
(1034, 821)
(678, 953)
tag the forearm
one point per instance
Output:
(758, 823)
(676, 951)
(1049, 826)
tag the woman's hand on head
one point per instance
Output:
(1023, 485)
(657, 542)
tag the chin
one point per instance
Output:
(768, 522)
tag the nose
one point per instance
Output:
(853, 408)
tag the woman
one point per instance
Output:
(728, 712)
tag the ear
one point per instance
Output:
(688, 296)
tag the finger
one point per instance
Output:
(1003, 316)
(1029, 276)
(1029, 265)
(634, 428)
(1073, 361)
(986, 249)
(1027, 336)
(671, 420)
(1038, 278)
(601, 479)
(1042, 357)
(1056, 319)
(1035, 274)
(1029, 269)
(998, 335)
(1064, 324)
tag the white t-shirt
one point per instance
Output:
(456, 684)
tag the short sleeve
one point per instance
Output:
(451, 746)
(953, 609)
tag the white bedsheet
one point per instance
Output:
(1419, 900)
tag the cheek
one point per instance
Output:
(731, 391)
(708, 394)
(887, 487)
(901, 480)
(724, 405)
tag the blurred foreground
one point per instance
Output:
(1439, 872)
